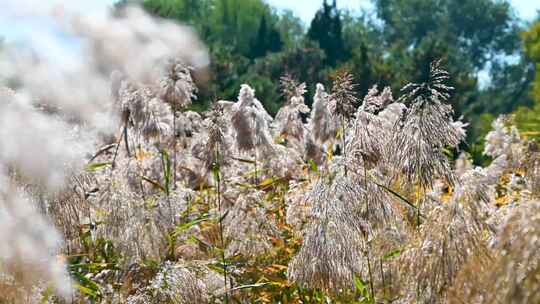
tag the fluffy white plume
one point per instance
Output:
(63, 109)
(503, 140)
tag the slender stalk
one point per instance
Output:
(116, 150)
(343, 131)
(166, 169)
(141, 172)
(366, 186)
(255, 164)
(370, 276)
(126, 142)
(221, 239)
(365, 235)
(418, 214)
(175, 144)
(419, 206)
(390, 284)
(418, 153)
(418, 293)
(382, 277)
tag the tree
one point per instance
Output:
(528, 119)
(326, 29)
(304, 62)
(291, 29)
(267, 40)
(479, 29)
(227, 22)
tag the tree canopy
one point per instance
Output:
(527, 119)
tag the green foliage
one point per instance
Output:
(528, 119)
(531, 40)
(477, 29)
(363, 290)
(291, 29)
(227, 22)
(98, 256)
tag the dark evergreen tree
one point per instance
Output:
(275, 43)
(326, 29)
(267, 40)
(258, 44)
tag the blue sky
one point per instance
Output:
(11, 24)
(526, 9)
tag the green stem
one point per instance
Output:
(370, 276)
(174, 149)
(255, 164)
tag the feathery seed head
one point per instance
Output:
(330, 256)
(374, 102)
(177, 87)
(323, 127)
(292, 88)
(343, 99)
(425, 129)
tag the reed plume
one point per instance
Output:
(331, 254)
(424, 130)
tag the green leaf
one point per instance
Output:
(215, 173)
(167, 174)
(360, 286)
(179, 229)
(154, 183)
(86, 291)
(97, 166)
(362, 289)
(216, 268)
(93, 267)
(313, 165)
(392, 254)
(267, 182)
(86, 286)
